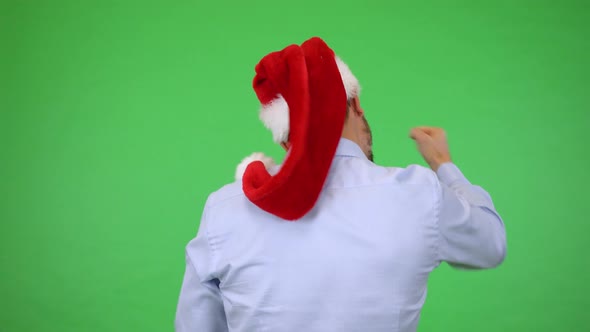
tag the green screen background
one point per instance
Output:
(118, 118)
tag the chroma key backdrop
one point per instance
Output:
(118, 118)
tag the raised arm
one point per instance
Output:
(471, 232)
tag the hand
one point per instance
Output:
(432, 144)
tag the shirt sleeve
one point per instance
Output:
(200, 306)
(471, 232)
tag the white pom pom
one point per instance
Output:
(267, 161)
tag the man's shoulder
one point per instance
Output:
(233, 190)
(227, 192)
(411, 174)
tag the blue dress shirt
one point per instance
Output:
(359, 261)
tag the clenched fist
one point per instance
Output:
(432, 144)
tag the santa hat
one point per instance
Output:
(303, 91)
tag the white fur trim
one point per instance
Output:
(267, 161)
(275, 115)
(351, 84)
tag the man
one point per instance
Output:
(329, 241)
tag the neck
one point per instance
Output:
(350, 134)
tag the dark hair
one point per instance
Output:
(348, 106)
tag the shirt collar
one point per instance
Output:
(348, 148)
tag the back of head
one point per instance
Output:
(303, 91)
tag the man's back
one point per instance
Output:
(359, 261)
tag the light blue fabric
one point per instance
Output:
(359, 261)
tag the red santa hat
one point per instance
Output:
(303, 91)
